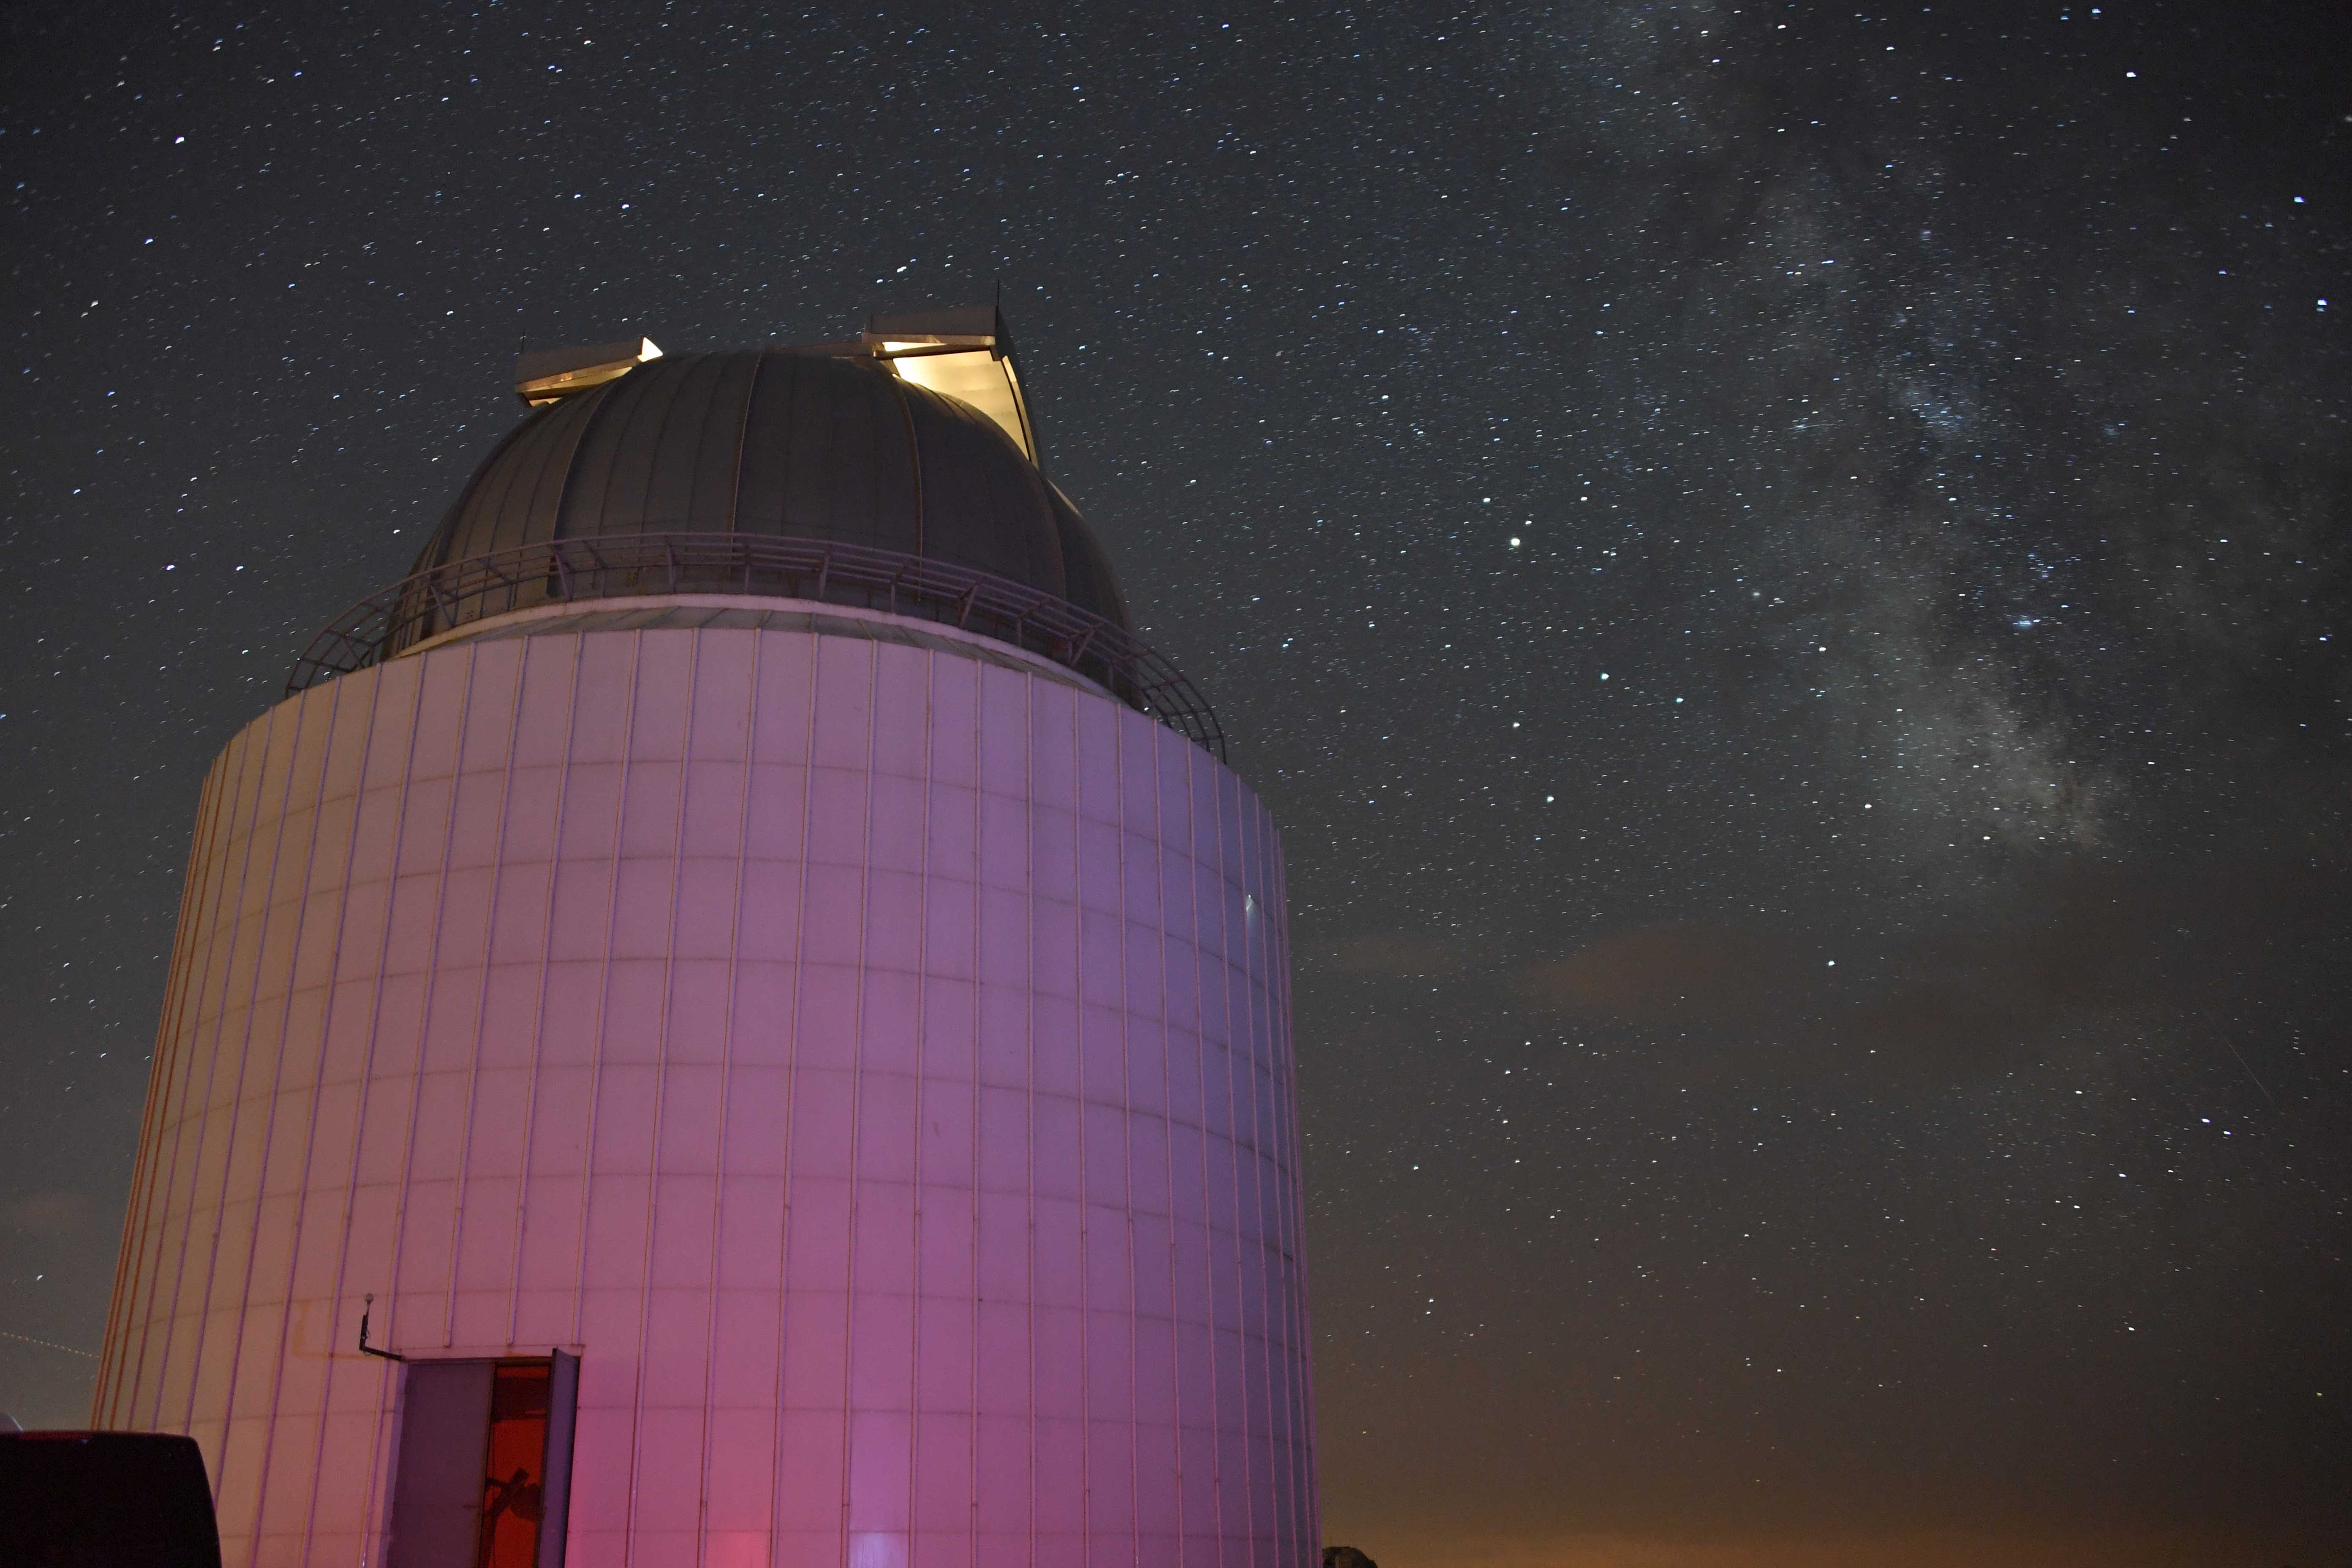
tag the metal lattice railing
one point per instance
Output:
(569, 571)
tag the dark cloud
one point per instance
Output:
(1676, 973)
(2075, 944)
(56, 1212)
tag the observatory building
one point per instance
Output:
(736, 1017)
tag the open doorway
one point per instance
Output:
(485, 1468)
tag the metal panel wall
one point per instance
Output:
(873, 1062)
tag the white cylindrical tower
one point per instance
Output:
(788, 1030)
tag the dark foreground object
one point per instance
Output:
(1346, 1557)
(105, 1499)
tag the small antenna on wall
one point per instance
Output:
(366, 1349)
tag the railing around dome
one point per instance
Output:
(570, 571)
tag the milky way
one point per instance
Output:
(1783, 568)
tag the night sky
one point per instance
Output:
(1785, 569)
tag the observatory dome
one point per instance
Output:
(782, 443)
(760, 1020)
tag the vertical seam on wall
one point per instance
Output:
(151, 1175)
(482, 993)
(1159, 753)
(318, 1095)
(1118, 731)
(538, 1002)
(1266, 1241)
(1029, 1056)
(728, 1043)
(277, 720)
(661, 1060)
(596, 1077)
(726, 1065)
(929, 663)
(1284, 1165)
(1258, 1242)
(1076, 760)
(1273, 1244)
(1200, 1111)
(132, 1249)
(374, 681)
(376, 1456)
(973, 674)
(196, 1124)
(791, 1099)
(189, 1125)
(205, 1120)
(596, 1059)
(431, 969)
(310, 1122)
(1226, 945)
(1272, 1164)
(192, 1000)
(857, 1106)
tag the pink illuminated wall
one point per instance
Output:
(872, 1060)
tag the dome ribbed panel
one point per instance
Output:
(719, 466)
(542, 516)
(760, 482)
(1086, 569)
(512, 498)
(612, 479)
(825, 456)
(978, 509)
(689, 482)
(852, 473)
(779, 444)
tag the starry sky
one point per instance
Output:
(1784, 568)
